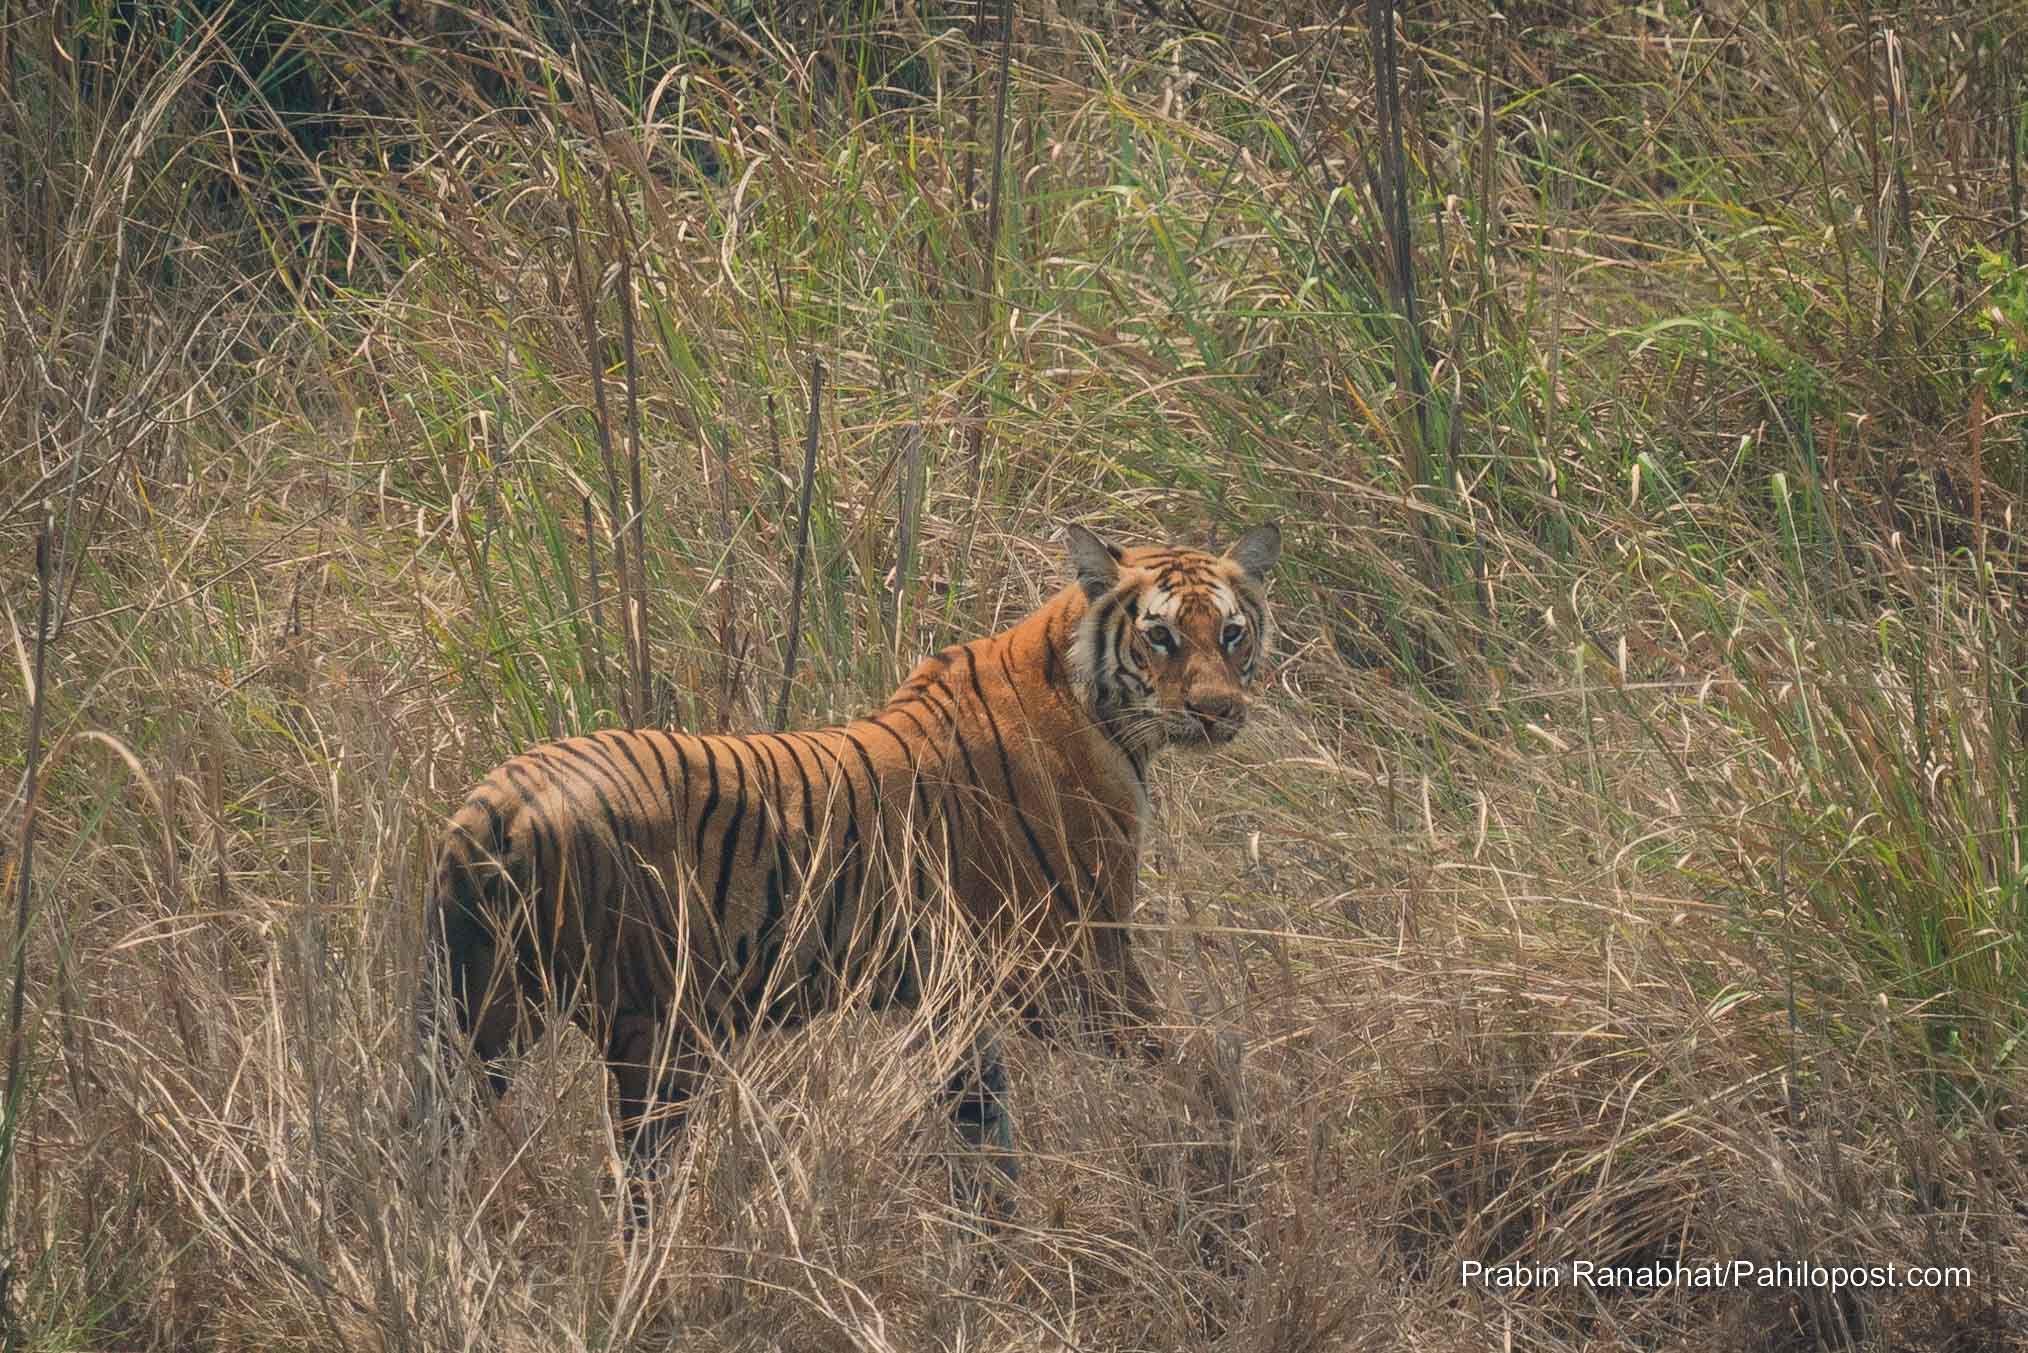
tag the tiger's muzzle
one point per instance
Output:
(1217, 717)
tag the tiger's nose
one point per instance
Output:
(1220, 708)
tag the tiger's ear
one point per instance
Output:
(1257, 550)
(1096, 564)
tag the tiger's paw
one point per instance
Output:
(982, 1187)
(1138, 1043)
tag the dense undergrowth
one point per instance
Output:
(1626, 865)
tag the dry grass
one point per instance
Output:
(1626, 866)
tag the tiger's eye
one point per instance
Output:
(1161, 637)
(1234, 632)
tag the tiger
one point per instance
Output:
(669, 891)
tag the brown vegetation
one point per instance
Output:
(1627, 865)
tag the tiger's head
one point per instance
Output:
(1171, 640)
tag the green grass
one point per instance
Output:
(1627, 864)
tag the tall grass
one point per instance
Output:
(1627, 863)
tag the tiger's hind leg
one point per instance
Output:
(655, 1067)
(975, 1094)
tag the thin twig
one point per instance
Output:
(802, 543)
(728, 588)
(634, 583)
(602, 420)
(594, 657)
(775, 481)
(1387, 78)
(1495, 25)
(976, 436)
(1899, 134)
(1156, 12)
(971, 174)
(23, 879)
(637, 602)
(73, 549)
(910, 509)
(2013, 153)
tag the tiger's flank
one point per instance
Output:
(667, 892)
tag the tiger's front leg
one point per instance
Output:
(656, 1066)
(976, 1093)
(1122, 999)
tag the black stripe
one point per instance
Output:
(501, 842)
(612, 893)
(841, 884)
(904, 712)
(623, 743)
(591, 750)
(919, 848)
(634, 883)
(659, 890)
(907, 752)
(809, 818)
(494, 821)
(677, 806)
(942, 744)
(771, 919)
(591, 889)
(1254, 606)
(839, 776)
(872, 775)
(941, 687)
(777, 880)
(1014, 684)
(559, 769)
(1256, 620)
(578, 750)
(1007, 777)
(843, 862)
(828, 782)
(1105, 664)
(909, 693)
(710, 796)
(723, 884)
(953, 861)
(964, 749)
(857, 861)
(684, 756)
(1107, 674)
(765, 787)
(540, 829)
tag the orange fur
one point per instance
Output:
(668, 890)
